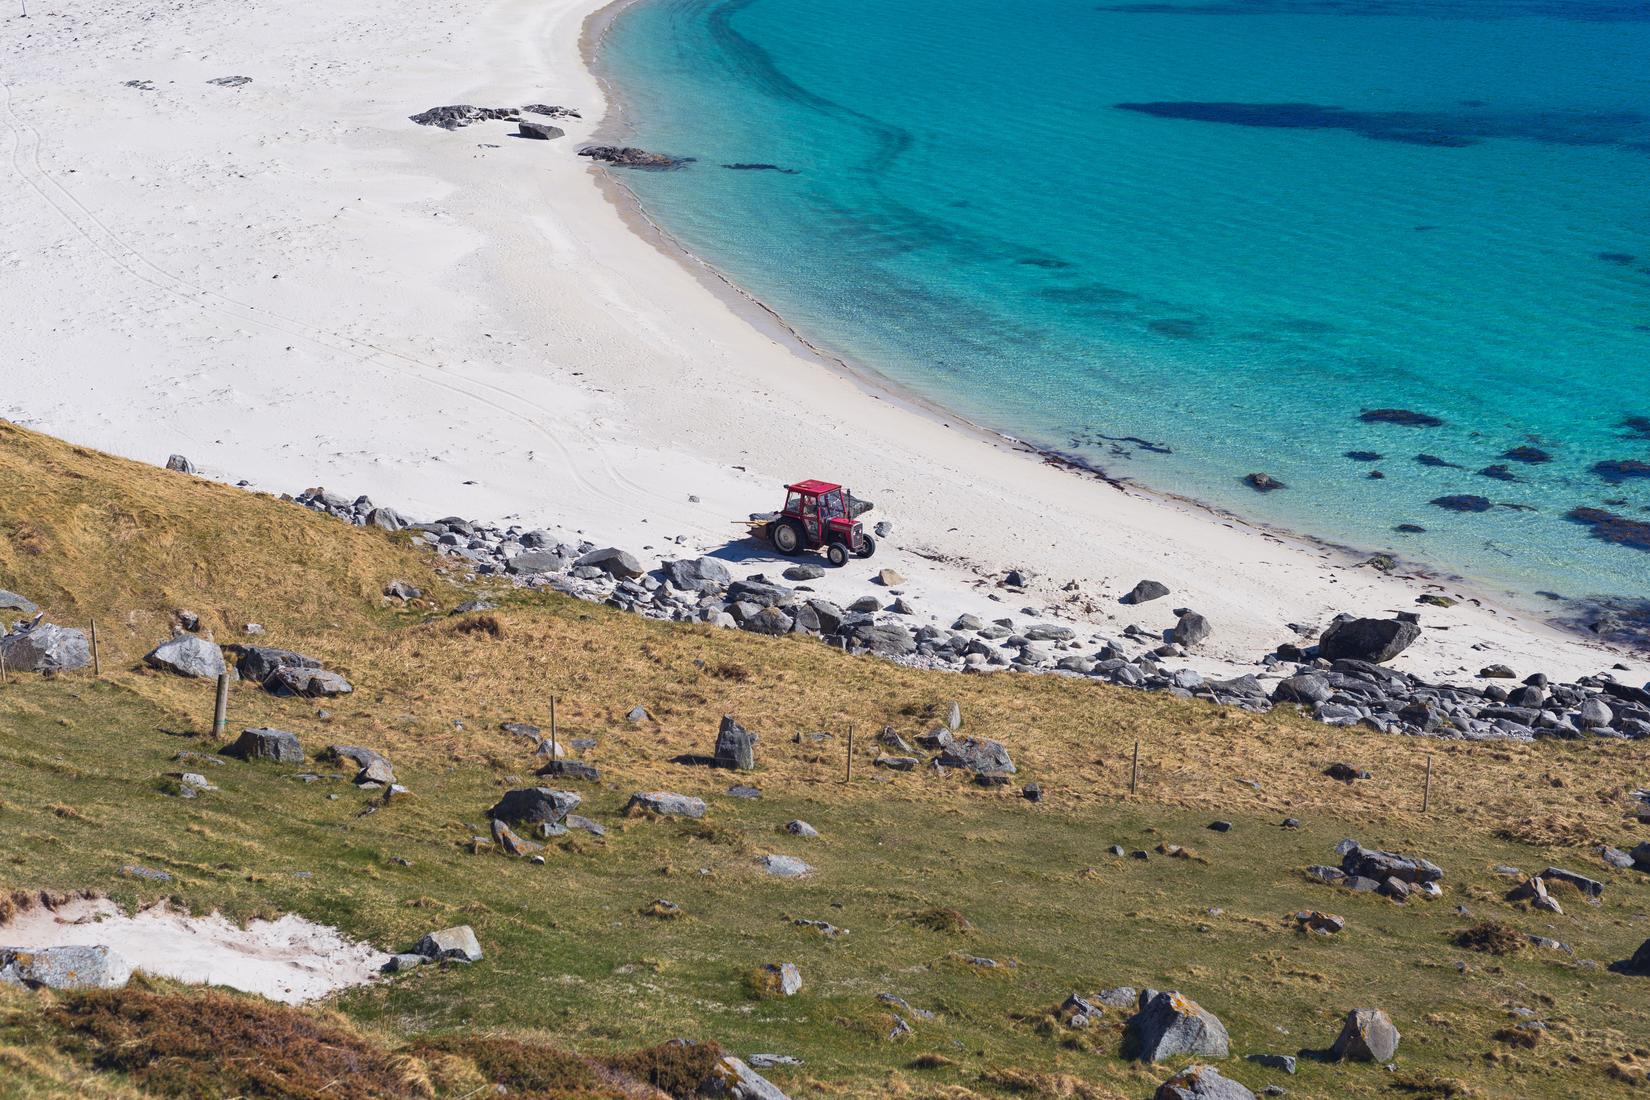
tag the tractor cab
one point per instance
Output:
(822, 514)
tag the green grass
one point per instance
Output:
(574, 957)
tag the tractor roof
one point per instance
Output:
(811, 486)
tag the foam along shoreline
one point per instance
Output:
(456, 321)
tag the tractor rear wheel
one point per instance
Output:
(837, 554)
(867, 547)
(787, 537)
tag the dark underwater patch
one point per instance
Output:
(1436, 463)
(1181, 328)
(1409, 418)
(1463, 502)
(1577, 11)
(756, 167)
(1047, 262)
(1532, 456)
(1618, 470)
(1365, 456)
(1611, 527)
(1622, 258)
(1443, 129)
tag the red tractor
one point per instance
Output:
(819, 514)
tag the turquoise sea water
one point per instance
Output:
(1186, 241)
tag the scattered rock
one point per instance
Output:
(1201, 1083)
(460, 115)
(1284, 1062)
(1263, 483)
(535, 804)
(68, 967)
(666, 804)
(800, 828)
(784, 866)
(188, 655)
(458, 942)
(46, 647)
(1146, 591)
(1374, 640)
(785, 978)
(1191, 629)
(631, 157)
(890, 578)
(264, 743)
(735, 746)
(1367, 1036)
(11, 601)
(180, 464)
(1171, 1025)
(538, 131)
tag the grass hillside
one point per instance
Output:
(926, 871)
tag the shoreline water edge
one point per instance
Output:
(1621, 621)
(468, 324)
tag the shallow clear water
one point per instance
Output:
(1306, 209)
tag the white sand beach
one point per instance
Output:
(292, 284)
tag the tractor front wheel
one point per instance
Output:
(787, 537)
(867, 547)
(837, 554)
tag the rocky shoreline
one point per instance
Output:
(1338, 678)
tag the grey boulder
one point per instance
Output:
(1191, 629)
(1172, 1025)
(312, 683)
(1373, 640)
(64, 967)
(697, 574)
(539, 131)
(735, 746)
(264, 743)
(188, 655)
(1201, 1083)
(180, 464)
(458, 942)
(978, 755)
(11, 601)
(46, 648)
(1367, 1036)
(734, 1080)
(614, 562)
(1146, 591)
(535, 804)
(666, 804)
(784, 866)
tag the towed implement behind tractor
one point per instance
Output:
(818, 515)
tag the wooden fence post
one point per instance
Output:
(220, 706)
(1134, 772)
(553, 747)
(97, 660)
(849, 778)
(1426, 791)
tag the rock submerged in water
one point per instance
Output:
(628, 156)
(1463, 502)
(1263, 483)
(761, 168)
(1406, 417)
(1529, 455)
(1612, 527)
(1619, 470)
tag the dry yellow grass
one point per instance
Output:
(88, 535)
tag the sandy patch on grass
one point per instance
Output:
(291, 960)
